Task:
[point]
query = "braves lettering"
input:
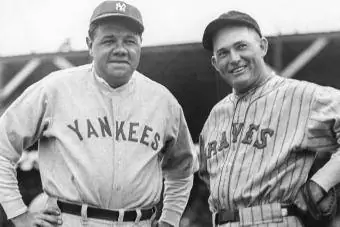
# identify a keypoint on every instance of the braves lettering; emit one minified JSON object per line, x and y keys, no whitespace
{"x":254,"y":135}
{"x":124,"y":131}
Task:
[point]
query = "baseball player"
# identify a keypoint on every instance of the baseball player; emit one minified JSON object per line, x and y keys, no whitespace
{"x":107,"y":136}
{"x":259,"y":142}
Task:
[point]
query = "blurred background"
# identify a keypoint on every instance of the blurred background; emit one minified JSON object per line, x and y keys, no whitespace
{"x":41,"y":36}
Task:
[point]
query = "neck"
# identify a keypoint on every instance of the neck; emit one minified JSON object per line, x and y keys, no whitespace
{"x":116,"y":84}
{"x":114,"y":81}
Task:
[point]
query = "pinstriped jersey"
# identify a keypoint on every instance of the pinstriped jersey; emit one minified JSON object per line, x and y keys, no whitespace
{"x":258,"y":147}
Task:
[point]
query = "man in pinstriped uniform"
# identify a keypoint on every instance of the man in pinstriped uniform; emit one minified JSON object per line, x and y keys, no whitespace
{"x":259,"y":142}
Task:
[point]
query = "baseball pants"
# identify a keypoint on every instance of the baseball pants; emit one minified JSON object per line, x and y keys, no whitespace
{"x":70,"y":220}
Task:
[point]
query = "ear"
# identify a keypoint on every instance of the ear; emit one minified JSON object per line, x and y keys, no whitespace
{"x":214,"y":62}
{"x":89,"y":45}
{"x":264,"y":46}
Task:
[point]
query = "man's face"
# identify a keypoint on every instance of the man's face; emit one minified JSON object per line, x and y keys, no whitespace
{"x":238,"y":57}
{"x":116,"y":52}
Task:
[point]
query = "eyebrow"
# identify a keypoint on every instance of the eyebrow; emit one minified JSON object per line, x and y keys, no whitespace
{"x":240,"y":42}
{"x":110,"y":36}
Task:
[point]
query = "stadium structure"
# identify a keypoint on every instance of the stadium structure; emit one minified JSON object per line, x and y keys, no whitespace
{"x":185,"y":69}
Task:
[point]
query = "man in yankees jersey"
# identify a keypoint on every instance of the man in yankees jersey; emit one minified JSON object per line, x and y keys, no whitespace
{"x":107,"y":136}
{"x":259,"y":142}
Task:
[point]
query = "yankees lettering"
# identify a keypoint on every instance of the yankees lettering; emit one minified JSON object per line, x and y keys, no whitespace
{"x":133,"y":132}
{"x":107,"y":136}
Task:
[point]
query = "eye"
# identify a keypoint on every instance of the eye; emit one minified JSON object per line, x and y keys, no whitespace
{"x":222,"y":53}
{"x":131,"y":41}
{"x":241,"y":46}
{"x":108,"y":41}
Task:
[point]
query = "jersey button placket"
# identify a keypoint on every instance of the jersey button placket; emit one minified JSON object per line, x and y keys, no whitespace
{"x":117,"y":154}
{"x":119,"y":165}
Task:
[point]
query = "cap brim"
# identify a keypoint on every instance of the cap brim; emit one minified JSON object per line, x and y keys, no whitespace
{"x":216,"y":25}
{"x":138,"y":25}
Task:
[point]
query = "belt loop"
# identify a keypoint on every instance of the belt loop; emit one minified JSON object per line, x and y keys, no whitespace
{"x":121,"y":215}
{"x":84,"y":214}
{"x":213,"y":217}
{"x":138,"y":216}
{"x":154,"y":210}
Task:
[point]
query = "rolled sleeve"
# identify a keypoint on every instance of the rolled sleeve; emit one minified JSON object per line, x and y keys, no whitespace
{"x":324,"y":134}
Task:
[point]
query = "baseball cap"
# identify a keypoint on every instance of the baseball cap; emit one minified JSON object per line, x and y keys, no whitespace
{"x":118,"y":9}
{"x":230,"y":18}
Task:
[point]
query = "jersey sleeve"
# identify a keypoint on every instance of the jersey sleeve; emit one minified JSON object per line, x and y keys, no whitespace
{"x":20,"y":127}
{"x":324,"y":134}
{"x":177,"y":166}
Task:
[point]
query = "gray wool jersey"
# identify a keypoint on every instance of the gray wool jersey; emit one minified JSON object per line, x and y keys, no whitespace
{"x":104,"y":147}
{"x":258,"y":148}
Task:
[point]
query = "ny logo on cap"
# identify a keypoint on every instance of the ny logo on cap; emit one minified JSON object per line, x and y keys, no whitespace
{"x":120,"y":6}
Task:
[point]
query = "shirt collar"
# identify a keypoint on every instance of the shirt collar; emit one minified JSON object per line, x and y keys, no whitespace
{"x":123,"y":89}
{"x":255,"y":91}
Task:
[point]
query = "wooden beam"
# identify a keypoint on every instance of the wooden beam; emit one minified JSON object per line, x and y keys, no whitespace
{"x":44,"y":56}
{"x":62,"y":63}
{"x":305,"y":37}
{"x":19,"y":78}
{"x":302,"y":59}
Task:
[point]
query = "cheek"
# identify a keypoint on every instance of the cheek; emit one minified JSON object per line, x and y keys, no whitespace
{"x":100,"y":51}
{"x":221,"y":65}
{"x":136,"y":52}
{"x":135,"y":56}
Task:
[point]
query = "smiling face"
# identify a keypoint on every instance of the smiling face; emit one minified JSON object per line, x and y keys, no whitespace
{"x":238,"y":57}
{"x":116,"y":52}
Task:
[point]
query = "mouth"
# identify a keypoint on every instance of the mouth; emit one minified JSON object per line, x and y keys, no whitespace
{"x":119,"y":62}
{"x":238,"y":70}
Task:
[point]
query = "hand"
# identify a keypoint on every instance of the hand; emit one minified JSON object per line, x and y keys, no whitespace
{"x":317,"y":193}
{"x":49,"y":217}
{"x":160,"y":224}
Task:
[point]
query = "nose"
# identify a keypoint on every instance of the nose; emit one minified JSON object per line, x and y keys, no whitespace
{"x":119,"y":49}
{"x":234,"y":56}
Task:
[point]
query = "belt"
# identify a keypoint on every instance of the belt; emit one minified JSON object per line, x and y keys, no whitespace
{"x":111,"y":215}
{"x":225,"y":216}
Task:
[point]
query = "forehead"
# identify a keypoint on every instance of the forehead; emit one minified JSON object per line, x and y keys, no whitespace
{"x":115,"y":29}
{"x":227,"y":36}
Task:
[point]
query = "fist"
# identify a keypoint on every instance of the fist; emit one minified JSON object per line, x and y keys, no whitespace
{"x":316,"y":193}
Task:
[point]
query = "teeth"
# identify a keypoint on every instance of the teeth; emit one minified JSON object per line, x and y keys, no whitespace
{"x":239,"y":69}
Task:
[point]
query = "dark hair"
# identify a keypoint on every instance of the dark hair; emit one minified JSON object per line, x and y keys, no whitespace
{"x":126,"y":21}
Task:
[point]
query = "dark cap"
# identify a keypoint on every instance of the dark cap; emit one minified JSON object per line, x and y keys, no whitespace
{"x":118,"y":9}
{"x":231,"y":18}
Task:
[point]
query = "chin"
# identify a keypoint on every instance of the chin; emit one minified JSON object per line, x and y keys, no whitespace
{"x":242,"y":79}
